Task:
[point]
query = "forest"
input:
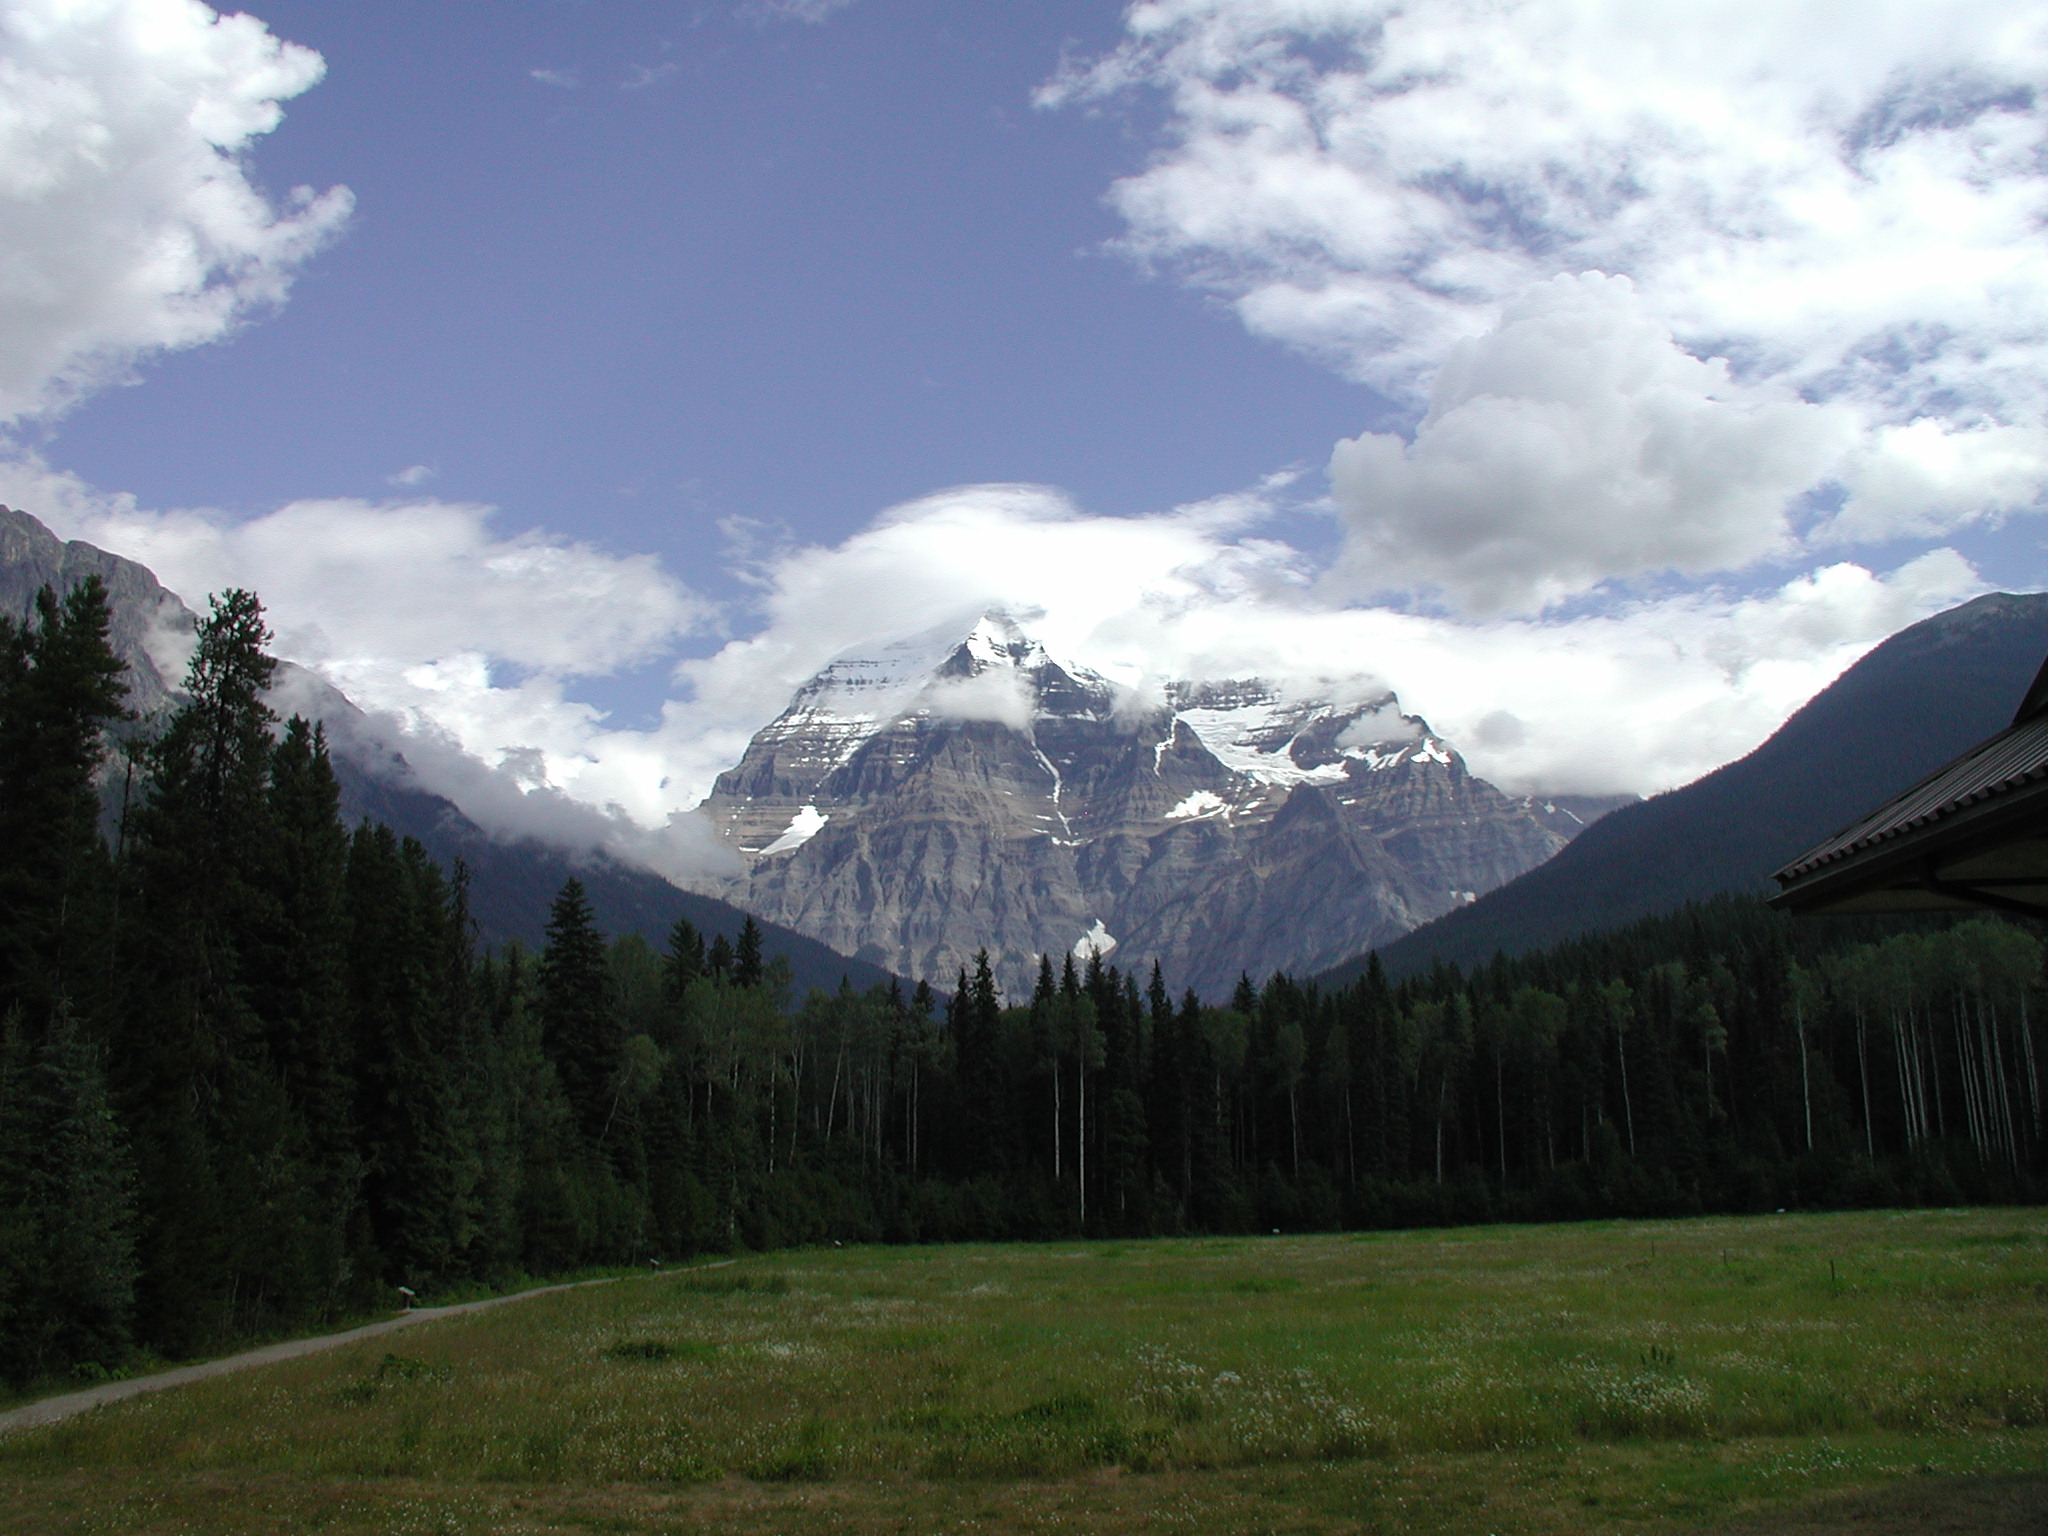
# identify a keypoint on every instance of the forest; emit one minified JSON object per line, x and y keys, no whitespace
{"x":256,"y":1073}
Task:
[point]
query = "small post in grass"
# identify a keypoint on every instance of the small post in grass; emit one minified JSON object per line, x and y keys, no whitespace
{"x":408,"y":1293}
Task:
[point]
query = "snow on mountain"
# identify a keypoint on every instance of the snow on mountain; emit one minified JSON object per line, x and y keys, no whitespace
{"x":966,"y":788}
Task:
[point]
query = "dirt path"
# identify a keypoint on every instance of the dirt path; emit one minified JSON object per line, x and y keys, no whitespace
{"x":49,"y":1410}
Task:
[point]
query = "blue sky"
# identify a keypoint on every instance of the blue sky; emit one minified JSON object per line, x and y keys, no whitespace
{"x":786,"y":272}
{"x":573,"y":380}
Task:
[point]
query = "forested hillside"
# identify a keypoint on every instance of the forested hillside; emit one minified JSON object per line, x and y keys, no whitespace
{"x":256,"y":1074}
{"x":1924,"y":696}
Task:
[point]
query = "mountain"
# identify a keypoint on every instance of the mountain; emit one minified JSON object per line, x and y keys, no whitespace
{"x":1909,"y":706}
{"x":512,"y":883}
{"x":966,"y":788}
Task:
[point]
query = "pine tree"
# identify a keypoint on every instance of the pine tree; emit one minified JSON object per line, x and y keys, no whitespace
{"x":746,"y":956}
{"x":61,"y":688}
{"x":684,"y":961}
{"x":296,"y":964}
{"x":213,"y":1136}
{"x":579,"y":1026}
{"x":419,"y":1178}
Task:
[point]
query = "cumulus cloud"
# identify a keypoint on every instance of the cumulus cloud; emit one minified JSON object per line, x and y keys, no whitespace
{"x":1572,"y":443}
{"x":1927,"y":477}
{"x":1815,"y":202}
{"x":127,"y":215}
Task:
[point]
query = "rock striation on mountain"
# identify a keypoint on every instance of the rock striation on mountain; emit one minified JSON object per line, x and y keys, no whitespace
{"x":966,"y":788}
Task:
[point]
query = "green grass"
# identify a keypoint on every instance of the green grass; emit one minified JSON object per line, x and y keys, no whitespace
{"x":1605,"y":1377}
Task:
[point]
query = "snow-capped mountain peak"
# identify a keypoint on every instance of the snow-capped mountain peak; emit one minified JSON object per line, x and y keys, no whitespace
{"x":968,"y":787}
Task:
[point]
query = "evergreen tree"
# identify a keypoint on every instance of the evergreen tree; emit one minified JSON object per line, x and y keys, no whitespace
{"x":214,"y":1142}
{"x":67,"y":1207}
{"x":417,"y":1179}
{"x":684,"y":961}
{"x":746,"y":956}
{"x":579,"y":1026}
{"x":61,"y":688}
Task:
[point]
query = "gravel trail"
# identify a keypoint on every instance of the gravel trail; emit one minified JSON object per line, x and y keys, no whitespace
{"x":49,"y":1410}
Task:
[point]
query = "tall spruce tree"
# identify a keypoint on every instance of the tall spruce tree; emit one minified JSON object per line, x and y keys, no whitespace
{"x":61,"y":688}
{"x":214,"y":1142}
{"x":579,"y":1026}
{"x":748,"y":968}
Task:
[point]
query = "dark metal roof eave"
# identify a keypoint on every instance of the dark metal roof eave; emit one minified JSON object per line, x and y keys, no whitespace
{"x":1903,"y":859}
{"x":1989,"y":770}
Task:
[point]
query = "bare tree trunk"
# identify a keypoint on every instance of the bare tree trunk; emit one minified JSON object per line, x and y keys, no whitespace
{"x":1805,"y":1082}
{"x":1058,"y":1124}
{"x":1443,"y":1084}
{"x":1863,"y":1072}
{"x":1500,"y":1120}
{"x":1081,"y":1121}
{"x":2033,"y":1072}
{"x":1628,"y":1106}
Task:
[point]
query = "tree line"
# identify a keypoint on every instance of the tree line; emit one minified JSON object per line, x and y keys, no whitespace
{"x":256,"y":1073}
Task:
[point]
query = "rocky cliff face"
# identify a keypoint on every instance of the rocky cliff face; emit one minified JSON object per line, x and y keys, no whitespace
{"x":956,"y":791}
{"x":150,"y":625}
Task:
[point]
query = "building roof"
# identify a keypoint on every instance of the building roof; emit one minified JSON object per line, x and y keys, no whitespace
{"x":1971,"y":834}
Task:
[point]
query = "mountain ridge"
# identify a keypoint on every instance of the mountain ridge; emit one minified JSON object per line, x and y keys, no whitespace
{"x":1910,"y":704}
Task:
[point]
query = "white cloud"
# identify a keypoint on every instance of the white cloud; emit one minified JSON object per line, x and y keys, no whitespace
{"x":995,"y":695}
{"x":474,"y":642}
{"x":128,"y":222}
{"x":1844,"y":200}
{"x":560,"y":79}
{"x":641,"y":76}
{"x":814,"y":12}
{"x":1379,"y":727}
{"x":1926,"y":477}
{"x":1572,"y":443}
{"x":412,"y":476}
{"x":422,"y":611}
{"x":1642,"y":697}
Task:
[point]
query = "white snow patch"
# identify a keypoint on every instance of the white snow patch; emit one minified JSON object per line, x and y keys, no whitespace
{"x":1236,"y":738}
{"x":803,"y":826}
{"x":1203,"y":802}
{"x":1097,"y":940}
{"x":1432,"y":751}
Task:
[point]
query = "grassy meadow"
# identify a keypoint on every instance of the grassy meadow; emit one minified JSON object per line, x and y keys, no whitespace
{"x":1654,"y":1376}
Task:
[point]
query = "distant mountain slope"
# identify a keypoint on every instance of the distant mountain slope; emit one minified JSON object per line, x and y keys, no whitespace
{"x":512,"y":884}
{"x":1913,"y":703}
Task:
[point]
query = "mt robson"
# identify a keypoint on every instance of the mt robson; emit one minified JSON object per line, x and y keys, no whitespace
{"x":967,"y":789}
